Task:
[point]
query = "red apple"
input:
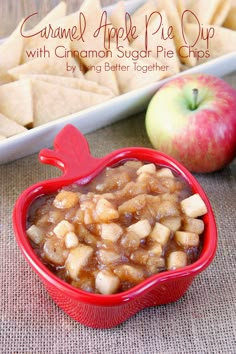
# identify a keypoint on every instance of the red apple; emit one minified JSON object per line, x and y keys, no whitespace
{"x":193,"y":119}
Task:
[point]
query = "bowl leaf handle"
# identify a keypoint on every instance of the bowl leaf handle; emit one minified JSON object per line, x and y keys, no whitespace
{"x":71,"y":154}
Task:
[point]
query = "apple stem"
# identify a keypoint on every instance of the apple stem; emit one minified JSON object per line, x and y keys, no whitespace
{"x":195,"y":97}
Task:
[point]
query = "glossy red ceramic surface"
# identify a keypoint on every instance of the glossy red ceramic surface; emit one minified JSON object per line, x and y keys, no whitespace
{"x":72,"y":156}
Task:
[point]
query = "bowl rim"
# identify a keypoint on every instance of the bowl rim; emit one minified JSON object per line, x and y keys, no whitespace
{"x":118,"y":156}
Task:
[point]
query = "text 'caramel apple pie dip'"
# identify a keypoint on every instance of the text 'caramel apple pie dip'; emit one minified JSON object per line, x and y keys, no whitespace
{"x":130,"y":222}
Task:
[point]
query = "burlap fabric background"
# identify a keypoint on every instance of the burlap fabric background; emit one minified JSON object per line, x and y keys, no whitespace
{"x":203,"y":321}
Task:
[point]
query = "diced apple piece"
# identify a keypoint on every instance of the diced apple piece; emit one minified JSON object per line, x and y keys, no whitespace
{"x":42,"y":220}
{"x":84,"y":283}
{"x":88,"y":216}
{"x":108,"y":257}
{"x":167,"y":208}
{"x":155,"y":250}
{"x":70,"y":214}
{"x":106,"y":282}
{"x":87,"y":212}
{"x":176,"y":259}
{"x":133,"y":164}
{"x":153,"y":203}
{"x":160,"y":233}
{"x":114,"y":179}
{"x":90,"y":239}
{"x":71,"y":240}
{"x":187,"y":239}
{"x":130,"y":190}
{"x":130,"y":240}
{"x":111,"y":231}
{"x":156,"y":186}
{"x":79,"y":216}
{"x":77,"y":259}
{"x":142,"y":228}
{"x":35,"y":234}
{"x":87,"y":203}
{"x":171,"y":197}
{"x":61,"y":229}
{"x":129,"y":273}
{"x":86,"y":236}
{"x":143,"y":178}
{"x":193,"y":225}
{"x":148,"y":168}
{"x":133,"y":204}
{"x":66,"y":200}
{"x":169,"y":183}
{"x":55,"y":216}
{"x":154,"y":263}
{"x":193,"y":206}
{"x":106,"y":210}
{"x":164,"y":172}
{"x":106,"y":196}
{"x":172,"y":222}
{"x":140,"y":256}
{"x":54,"y":251}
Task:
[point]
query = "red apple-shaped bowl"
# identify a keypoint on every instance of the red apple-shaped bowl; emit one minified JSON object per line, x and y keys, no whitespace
{"x":72,"y":156}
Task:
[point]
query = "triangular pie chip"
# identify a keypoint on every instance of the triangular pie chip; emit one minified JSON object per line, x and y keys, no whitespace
{"x":53,"y":101}
{"x":55,"y":14}
{"x":138,"y":17}
{"x":93,"y":42}
{"x":155,"y":40}
{"x":117,"y":17}
{"x":104,"y":77}
{"x":175,"y":21}
{"x":230,"y":21}
{"x":10,"y":54}
{"x":16,"y":102}
{"x":47,"y":66}
{"x":221,"y":13}
{"x":202,"y":9}
{"x":65,"y":22}
{"x":208,"y":12}
{"x":180,"y":7}
{"x":9,"y":128}
{"x":132,"y":78}
{"x":222,"y":42}
{"x":74,"y":83}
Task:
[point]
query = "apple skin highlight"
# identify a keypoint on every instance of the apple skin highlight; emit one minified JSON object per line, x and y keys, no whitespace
{"x":202,"y":138}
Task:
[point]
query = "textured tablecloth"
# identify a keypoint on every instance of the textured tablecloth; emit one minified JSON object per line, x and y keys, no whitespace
{"x":202,"y":321}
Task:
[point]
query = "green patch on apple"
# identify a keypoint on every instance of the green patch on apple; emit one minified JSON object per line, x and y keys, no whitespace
{"x":193,"y":119}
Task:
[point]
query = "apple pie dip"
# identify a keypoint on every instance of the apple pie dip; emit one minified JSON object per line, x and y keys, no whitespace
{"x":132,"y":221}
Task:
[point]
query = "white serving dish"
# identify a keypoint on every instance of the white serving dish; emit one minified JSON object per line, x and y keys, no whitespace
{"x":106,"y":113}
